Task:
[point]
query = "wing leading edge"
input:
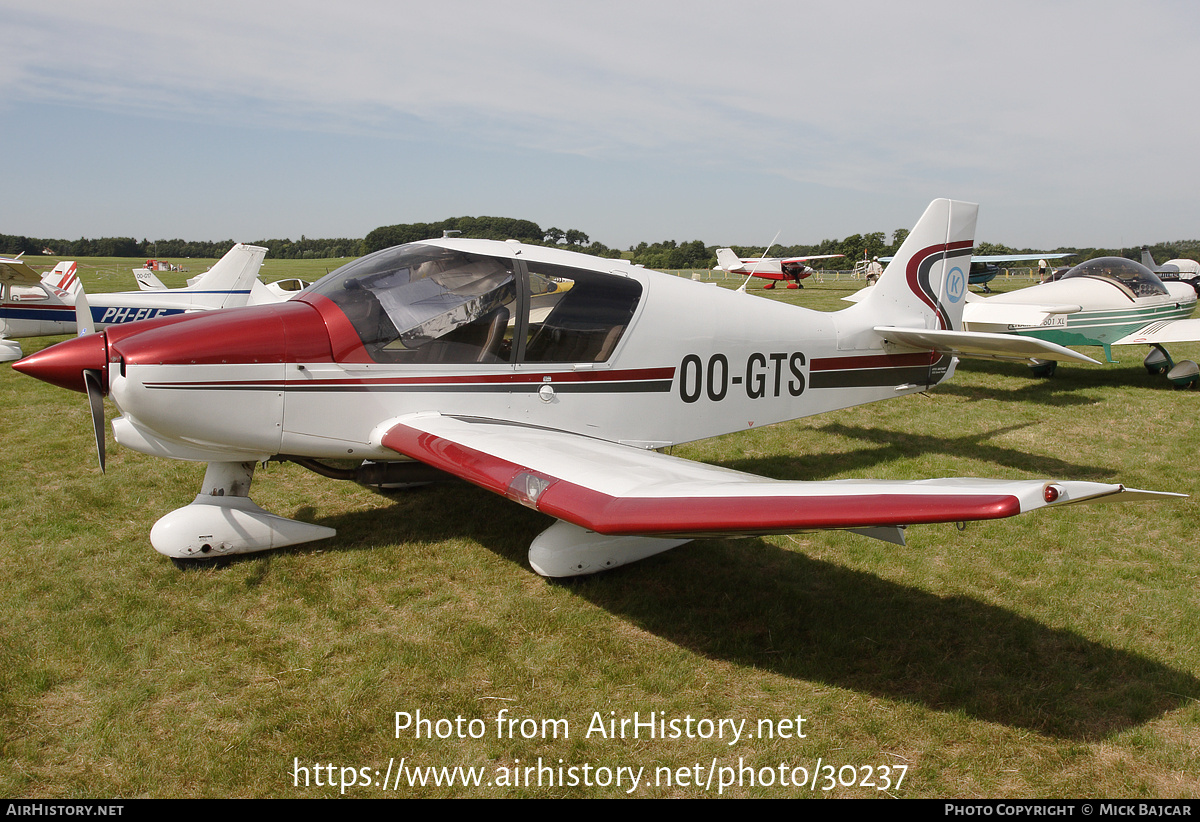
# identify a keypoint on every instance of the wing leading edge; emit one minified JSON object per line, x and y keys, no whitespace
{"x":620,"y":491}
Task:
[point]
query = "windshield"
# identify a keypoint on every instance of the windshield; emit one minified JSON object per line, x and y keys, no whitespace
{"x":1135,"y":277}
{"x":419,"y":303}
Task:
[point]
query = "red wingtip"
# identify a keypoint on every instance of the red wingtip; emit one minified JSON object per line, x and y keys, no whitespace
{"x":63,"y":364}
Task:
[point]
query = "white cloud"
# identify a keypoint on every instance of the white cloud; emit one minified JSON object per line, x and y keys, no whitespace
{"x":999,"y":100}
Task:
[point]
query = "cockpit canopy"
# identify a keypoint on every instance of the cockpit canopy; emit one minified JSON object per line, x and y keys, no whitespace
{"x":1131,"y":276}
{"x":423,"y":303}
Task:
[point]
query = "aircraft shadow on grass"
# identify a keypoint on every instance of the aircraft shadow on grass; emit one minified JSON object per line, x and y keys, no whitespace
{"x":752,"y":603}
{"x":893,"y":445}
{"x":1075,"y":386}
{"x":888,"y":446}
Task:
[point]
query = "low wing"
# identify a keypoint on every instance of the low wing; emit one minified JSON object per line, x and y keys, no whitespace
{"x":615,"y":489}
{"x":17,"y":272}
{"x":981,"y":345}
{"x":1164,"y":331}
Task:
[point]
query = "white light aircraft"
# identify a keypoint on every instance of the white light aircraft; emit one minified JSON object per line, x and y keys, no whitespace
{"x":36,"y":307}
{"x":1108,"y":301}
{"x":788,"y":269}
{"x":430,"y":355}
{"x":1186,"y":270}
{"x":260,"y":293}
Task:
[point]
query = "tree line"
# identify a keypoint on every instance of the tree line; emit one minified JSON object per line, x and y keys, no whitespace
{"x":304,"y":248}
{"x":665,"y":255}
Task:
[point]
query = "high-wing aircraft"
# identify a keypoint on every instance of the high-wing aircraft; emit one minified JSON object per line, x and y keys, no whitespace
{"x":1107,"y":301}
{"x":434,"y":354}
{"x":788,"y":269}
{"x":36,"y":307}
{"x":24,"y":295}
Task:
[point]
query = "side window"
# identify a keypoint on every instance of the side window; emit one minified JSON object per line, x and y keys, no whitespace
{"x":424,"y":304}
{"x":28,"y":293}
{"x":577,"y":315}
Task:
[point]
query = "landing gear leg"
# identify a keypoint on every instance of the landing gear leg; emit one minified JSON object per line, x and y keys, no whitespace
{"x":1158,"y":361}
{"x":1044,"y":368}
{"x":222,"y":520}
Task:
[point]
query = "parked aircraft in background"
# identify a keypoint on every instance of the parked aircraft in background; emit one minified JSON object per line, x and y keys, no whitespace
{"x":33,"y":307}
{"x":260,"y":293}
{"x":1186,"y":270}
{"x":431,"y":355}
{"x":787,"y":269}
{"x":22,"y":292}
{"x":984,"y":268}
{"x":1107,"y":301}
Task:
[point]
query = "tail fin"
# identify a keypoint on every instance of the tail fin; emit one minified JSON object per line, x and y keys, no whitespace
{"x":918,"y":302}
{"x":227,"y":284}
{"x":147,"y":280}
{"x":925,"y":284}
{"x":64,"y":279}
{"x":1148,"y":259}
{"x":727,"y":260}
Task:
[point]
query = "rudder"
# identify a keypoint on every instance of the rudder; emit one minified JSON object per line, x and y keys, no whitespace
{"x":925,"y":284}
{"x":227,"y":284}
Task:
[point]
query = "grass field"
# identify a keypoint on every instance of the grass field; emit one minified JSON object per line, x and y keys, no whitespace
{"x":1051,"y":655}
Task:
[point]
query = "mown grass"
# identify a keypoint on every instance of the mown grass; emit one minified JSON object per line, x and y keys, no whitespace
{"x":1050,"y":655}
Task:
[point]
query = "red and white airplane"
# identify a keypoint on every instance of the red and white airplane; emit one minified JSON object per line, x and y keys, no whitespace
{"x":788,"y":269}
{"x":434,"y":354}
{"x":32,"y":306}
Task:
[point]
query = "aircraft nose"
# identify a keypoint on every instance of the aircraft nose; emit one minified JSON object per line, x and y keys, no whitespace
{"x":63,"y":364}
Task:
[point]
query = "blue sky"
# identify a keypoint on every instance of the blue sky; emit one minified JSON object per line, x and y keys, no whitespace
{"x":1071,"y":123}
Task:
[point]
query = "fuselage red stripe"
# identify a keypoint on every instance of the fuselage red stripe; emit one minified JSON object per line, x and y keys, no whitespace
{"x":875,"y":361}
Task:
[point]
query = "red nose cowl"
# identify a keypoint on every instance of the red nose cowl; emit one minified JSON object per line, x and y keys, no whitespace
{"x":63,"y":364}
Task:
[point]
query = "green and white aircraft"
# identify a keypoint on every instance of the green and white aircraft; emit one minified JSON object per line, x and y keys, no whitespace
{"x":1107,"y":301}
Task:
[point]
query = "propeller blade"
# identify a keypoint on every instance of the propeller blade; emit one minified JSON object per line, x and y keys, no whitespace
{"x":91,"y":379}
{"x":84,"y":324}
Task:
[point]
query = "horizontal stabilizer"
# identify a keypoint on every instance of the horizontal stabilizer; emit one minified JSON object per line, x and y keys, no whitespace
{"x":977,"y":344}
{"x":984,"y":312}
